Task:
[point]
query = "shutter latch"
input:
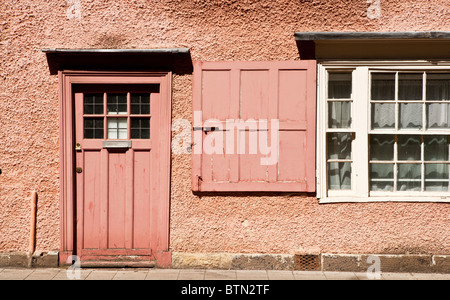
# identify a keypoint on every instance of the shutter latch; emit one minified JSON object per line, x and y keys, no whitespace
{"x":206,"y":129}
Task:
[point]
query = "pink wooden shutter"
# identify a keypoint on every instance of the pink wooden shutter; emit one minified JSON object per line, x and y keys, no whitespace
{"x":228,"y":91}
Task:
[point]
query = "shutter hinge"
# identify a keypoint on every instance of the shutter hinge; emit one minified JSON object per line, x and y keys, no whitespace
{"x":199,"y":182}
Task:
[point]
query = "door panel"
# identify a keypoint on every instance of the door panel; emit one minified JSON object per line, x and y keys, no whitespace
{"x":92,"y":200}
{"x":117,"y":201}
{"x":142,"y":167}
{"x":114,"y":185}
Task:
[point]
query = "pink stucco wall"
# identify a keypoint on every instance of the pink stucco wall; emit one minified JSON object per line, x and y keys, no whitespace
{"x":213,"y":30}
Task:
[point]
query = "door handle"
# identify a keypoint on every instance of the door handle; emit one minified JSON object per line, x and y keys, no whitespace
{"x":78,"y":170}
{"x":77,"y":147}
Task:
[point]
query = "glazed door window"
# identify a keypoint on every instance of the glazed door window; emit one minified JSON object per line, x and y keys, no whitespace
{"x":117,"y":116}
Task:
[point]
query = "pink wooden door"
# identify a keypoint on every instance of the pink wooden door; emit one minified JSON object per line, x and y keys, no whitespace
{"x":116,"y":189}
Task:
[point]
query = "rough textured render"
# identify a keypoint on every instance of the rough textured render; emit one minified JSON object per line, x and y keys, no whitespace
{"x":214,"y":31}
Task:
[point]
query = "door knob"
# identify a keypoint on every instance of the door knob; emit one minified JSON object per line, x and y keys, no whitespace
{"x":78,"y":169}
{"x":77,"y":147}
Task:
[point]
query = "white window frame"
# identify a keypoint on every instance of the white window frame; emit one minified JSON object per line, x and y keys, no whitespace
{"x":361,"y":128}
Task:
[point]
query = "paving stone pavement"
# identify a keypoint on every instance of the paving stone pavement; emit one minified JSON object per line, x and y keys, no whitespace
{"x":197,"y":274}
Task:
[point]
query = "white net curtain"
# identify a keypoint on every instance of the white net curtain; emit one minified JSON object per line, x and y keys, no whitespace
{"x":405,"y":153}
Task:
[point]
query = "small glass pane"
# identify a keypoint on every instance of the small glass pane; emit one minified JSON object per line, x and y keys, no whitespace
{"x":410,"y":116}
{"x":140,"y":104}
{"x":436,"y":177}
{"x":408,"y":147}
{"x":383,"y":116}
{"x":340,"y":85}
{"x":93,"y":104}
{"x":436,"y":148}
{"x":383,"y":86}
{"x":436,"y":186}
{"x":381,"y":147}
{"x":339,"y":176}
{"x":438,"y":115}
{"x":117,"y":104}
{"x":438,"y":86}
{"x":410,"y":86}
{"x":93,"y":128}
{"x":140,"y":128}
{"x":339,"y":114}
{"x":409,"y":177}
{"x":382,"y":177}
{"x":339,"y":145}
{"x":117,"y":128}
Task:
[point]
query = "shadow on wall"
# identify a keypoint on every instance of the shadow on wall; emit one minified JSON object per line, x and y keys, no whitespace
{"x":253,"y":194}
{"x":177,"y":60}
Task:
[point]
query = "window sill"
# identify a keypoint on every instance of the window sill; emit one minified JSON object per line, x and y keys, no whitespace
{"x":422,"y":199}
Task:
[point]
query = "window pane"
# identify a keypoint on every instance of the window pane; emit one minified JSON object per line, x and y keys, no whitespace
{"x":408,"y":147}
{"x":436,"y":177}
{"x":436,"y":148}
{"x":410,"y":86}
{"x":112,"y":134}
{"x":382,"y":177}
{"x":339,"y":145}
{"x":93,"y":128}
{"x":438,"y":86}
{"x":383,"y":116}
{"x":383,"y":86}
{"x":339,"y":114}
{"x":438,"y":115}
{"x":339,"y":176}
{"x":409,"y":177}
{"x":117,"y":128}
{"x":140,"y":128}
{"x":340,"y":85}
{"x":436,"y":186}
{"x":140,"y":104}
{"x":410,"y":116}
{"x":93,"y":104}
{"x":381,"y":147}
{"x":117,"y":104}
{"x":436,"y":171}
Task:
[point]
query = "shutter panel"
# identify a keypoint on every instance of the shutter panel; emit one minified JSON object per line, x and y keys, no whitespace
{"x":239,"y":108}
